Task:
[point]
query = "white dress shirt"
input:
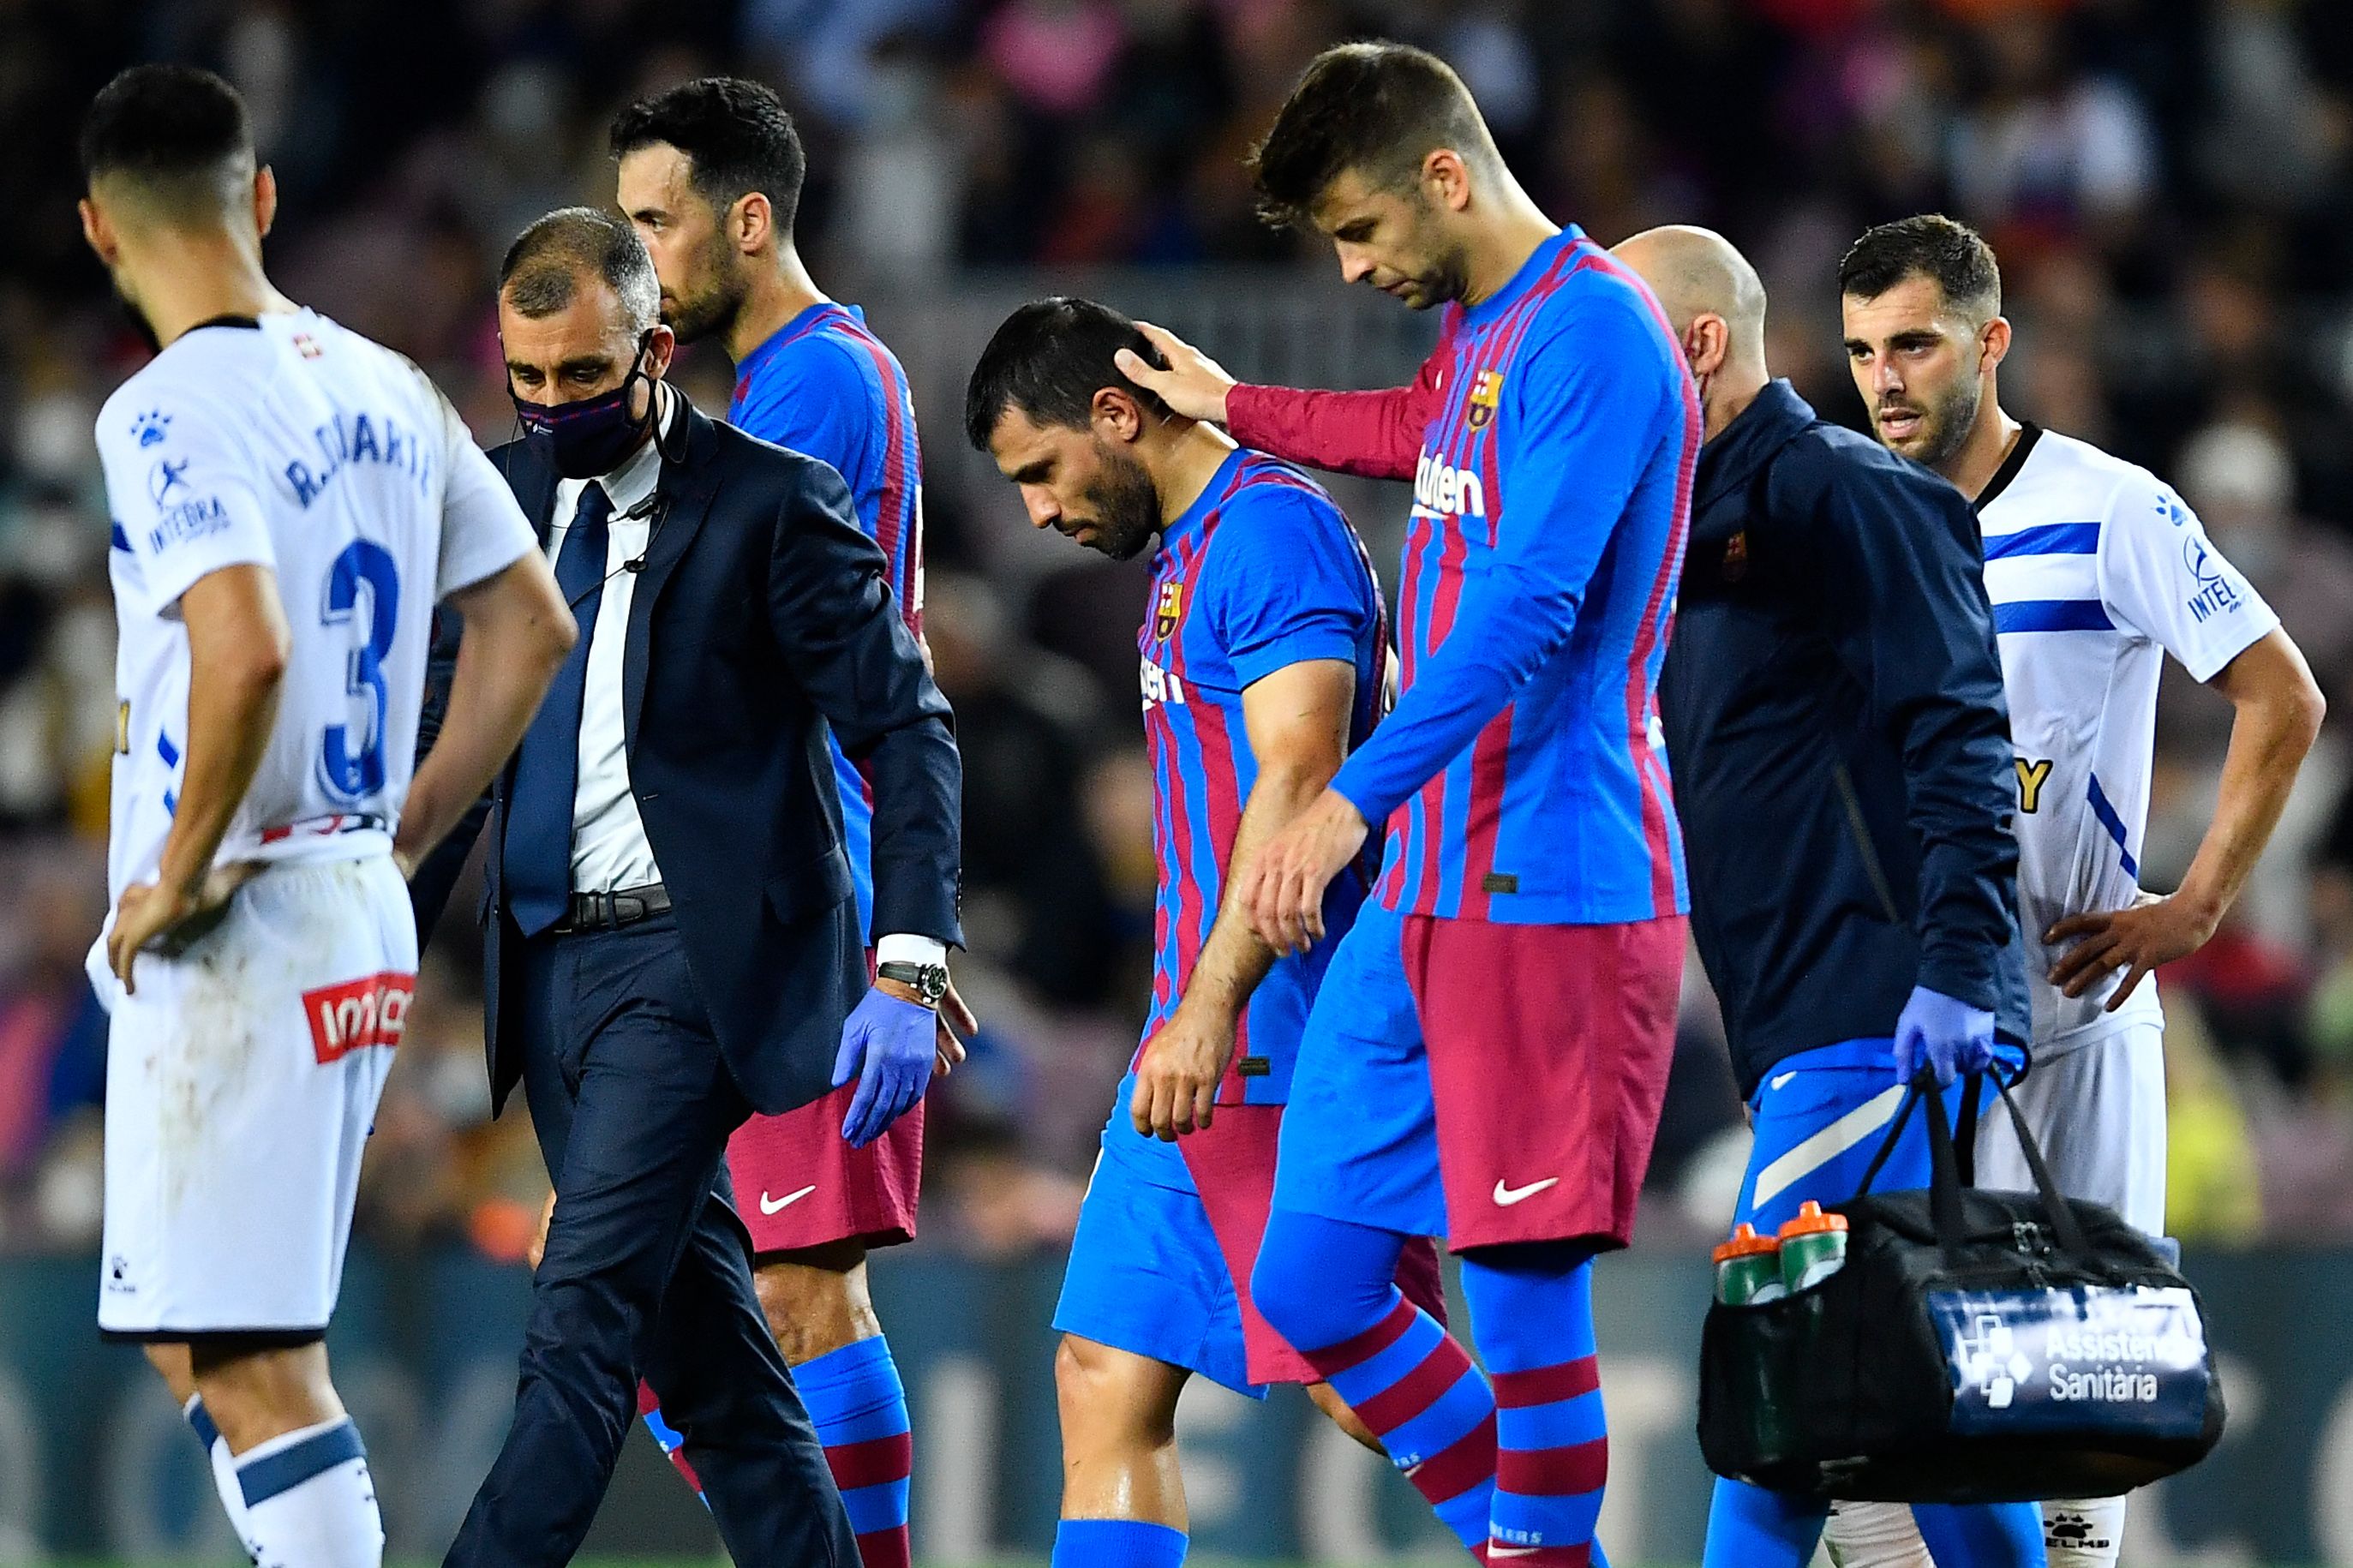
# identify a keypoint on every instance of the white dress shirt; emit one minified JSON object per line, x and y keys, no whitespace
{"x":610,"y":847}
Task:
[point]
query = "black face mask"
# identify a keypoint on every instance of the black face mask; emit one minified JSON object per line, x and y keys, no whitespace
{"x":583,"y":440}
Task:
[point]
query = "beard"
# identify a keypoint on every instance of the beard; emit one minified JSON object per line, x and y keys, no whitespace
{"x":1945,"y":424}
{"x":713,"y":309}
{"x":1125,"y":504}
{"x":1445,"y":281}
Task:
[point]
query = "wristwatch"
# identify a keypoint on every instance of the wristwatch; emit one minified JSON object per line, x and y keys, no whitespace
{"x":928,"y":981}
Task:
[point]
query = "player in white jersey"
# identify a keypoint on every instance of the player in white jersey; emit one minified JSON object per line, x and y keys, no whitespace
{"x":288,"y":499}
{"x":2097,"y":571}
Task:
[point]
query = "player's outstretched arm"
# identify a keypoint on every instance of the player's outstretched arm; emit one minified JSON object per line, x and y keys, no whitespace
{"x":517,"y":633}
{"x":1298,"y":720}
{"x":2279,"y":711}
{"x":237,"y":646}
{"x":1375,"y":434}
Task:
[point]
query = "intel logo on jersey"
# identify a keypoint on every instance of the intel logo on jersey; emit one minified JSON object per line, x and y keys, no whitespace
{"x":1442,"y":490}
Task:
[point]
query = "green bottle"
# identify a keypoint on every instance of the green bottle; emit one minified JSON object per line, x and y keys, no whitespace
{"x":1813,"y":1248}
{"x":1748,"y":1269}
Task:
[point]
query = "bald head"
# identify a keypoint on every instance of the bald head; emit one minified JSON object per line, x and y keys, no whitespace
{"x":1697,"y":272}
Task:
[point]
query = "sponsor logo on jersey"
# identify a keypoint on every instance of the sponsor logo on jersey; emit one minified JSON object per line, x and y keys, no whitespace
{"x":307,"y":346}
{"x":148,"y":427}
{"x":166,"y":477}
{"x":1486,"y":396}
{"x":357,"y":1014}
{"x":1161,"y":684}
{"x":189,"y":520}
{"x":1168,"y":610}
{"x":1442,"y":490}
{"x":2215,"y":596}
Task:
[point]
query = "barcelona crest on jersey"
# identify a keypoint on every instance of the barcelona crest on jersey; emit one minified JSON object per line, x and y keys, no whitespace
{"x":1168,"y":609}
{"x":1486,"y":393}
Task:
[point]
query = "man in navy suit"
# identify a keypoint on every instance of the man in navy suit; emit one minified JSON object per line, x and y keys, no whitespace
{"x":670,"y":940}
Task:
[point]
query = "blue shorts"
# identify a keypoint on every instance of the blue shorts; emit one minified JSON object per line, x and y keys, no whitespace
{"x":1147,"y":1273}
{"x":1820,"y":1116}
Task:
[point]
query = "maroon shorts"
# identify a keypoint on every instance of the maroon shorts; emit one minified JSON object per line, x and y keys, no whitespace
{"x":798,"y":1183}
{"x":1491,"y":1083}
{"x":1232,"y":1166}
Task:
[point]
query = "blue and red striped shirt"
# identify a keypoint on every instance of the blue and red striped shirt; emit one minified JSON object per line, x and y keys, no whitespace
{"x":823,"y":385}
{"x":1523,"y":776}
{"x":1261,"y":571}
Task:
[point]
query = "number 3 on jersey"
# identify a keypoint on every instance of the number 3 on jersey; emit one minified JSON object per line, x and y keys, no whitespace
{"x":351,"y":774}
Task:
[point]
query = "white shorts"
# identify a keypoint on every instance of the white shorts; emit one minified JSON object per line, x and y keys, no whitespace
{"x":241,"y":1081}
{"x":2098,"y":1111}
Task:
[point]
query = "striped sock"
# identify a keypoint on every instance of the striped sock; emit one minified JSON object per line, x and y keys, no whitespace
{"x":672,"y":1440}
{"x":859,"y":1409}
{"x":1117,"y":1543}
{"x":1417,"y":1391}
{"x":224,"y":1469}
{"x":1551,"y":1442}
{"x":310,"y":1501}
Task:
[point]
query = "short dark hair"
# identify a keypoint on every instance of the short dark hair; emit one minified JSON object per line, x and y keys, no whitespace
{"x":181,"y":133}
{"x":1048,"y":360}
{"x":544,"y":265}
{"x":737,"y":136}
{"x":1945,"y":251}
{"x":1378,"y":108}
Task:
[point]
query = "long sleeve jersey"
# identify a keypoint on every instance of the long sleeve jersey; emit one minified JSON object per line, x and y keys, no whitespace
{"x":1550,"y":440}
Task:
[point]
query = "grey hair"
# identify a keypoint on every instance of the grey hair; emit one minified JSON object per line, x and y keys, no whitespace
{"x":544,"y":265}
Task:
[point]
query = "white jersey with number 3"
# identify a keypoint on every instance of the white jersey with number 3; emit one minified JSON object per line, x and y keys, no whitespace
{"x":292,"y":444}
{"x":2096,"y":571}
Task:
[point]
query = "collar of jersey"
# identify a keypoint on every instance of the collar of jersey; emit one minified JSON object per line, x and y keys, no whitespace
{"x":1213,"y":495}
{"x":1534,"y":267}
{"x":801,"y":323}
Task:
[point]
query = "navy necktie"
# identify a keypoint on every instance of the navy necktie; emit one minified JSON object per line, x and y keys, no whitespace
{"x":536,"y":867}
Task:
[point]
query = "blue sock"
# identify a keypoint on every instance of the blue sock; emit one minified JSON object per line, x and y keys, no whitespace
{"x":1532,"y":1307}
{"x":1117,"y":1543}
{"x":1988,"y":1535}
{"x":860,"y":1409}
{"x":1330,"y":1288}
{"x":1748,"y":1527}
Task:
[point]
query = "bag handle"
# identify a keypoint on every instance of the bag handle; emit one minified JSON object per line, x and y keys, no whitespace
{"x":2054,"y":1204}
{"x":1952,"y":1163}
{"x":1887,"y":1144}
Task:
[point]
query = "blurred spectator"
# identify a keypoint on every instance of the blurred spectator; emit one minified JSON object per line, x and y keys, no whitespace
{"x":52,"y":1047}
{"x":2170,"y":188}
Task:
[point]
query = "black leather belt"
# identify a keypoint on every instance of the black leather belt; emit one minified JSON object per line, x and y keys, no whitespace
{"x":611,"y":911}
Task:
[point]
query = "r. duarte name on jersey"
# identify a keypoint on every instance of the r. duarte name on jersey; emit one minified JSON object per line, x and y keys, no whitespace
{"x":1442,"y":490}
{"x":361,"y":439}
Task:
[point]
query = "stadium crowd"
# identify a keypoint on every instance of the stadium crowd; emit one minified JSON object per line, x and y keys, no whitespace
{"x":2169,"y":184}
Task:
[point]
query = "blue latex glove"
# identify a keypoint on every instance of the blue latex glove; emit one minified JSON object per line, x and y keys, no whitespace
{"x":888,"y":1045}
{"x":1944,"y":1035}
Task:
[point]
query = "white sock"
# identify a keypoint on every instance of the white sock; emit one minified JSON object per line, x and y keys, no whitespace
{"x":2084,"y":1534}
{"x":310,"y":1501}
{"x":1874,"y":1535}
{"x":232,"y":1496}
